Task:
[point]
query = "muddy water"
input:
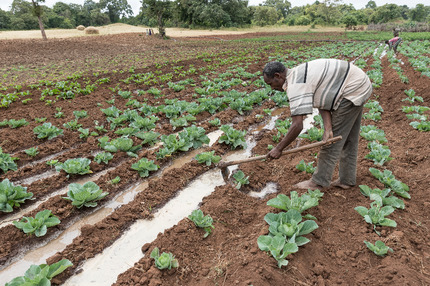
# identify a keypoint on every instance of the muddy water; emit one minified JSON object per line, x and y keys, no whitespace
{"x":104,"y":268}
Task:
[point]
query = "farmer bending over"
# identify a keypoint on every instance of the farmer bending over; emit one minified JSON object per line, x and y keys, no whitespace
{"x":393,"y":43}
{"x":339,"y":90}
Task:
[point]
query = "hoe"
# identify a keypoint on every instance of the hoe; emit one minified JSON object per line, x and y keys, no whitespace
{"x":225,"y":172}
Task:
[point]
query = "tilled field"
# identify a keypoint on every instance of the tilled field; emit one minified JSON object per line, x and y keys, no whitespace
{"x":143,"y":79}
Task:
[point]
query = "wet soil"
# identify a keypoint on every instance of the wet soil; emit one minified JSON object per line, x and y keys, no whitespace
{"x":336,"y":254}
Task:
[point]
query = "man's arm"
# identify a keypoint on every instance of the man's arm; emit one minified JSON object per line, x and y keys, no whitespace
{"x":326,"y":117}
{"x":294,"y":131}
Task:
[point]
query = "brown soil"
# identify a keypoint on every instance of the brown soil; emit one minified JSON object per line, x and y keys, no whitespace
{"x":230,"y":255}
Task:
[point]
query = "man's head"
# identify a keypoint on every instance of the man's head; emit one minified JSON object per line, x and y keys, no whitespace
{"x":274,"y":74}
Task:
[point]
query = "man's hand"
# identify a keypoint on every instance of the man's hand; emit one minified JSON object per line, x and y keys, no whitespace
{"x":274,"y":154}
{"x":327,"y":135}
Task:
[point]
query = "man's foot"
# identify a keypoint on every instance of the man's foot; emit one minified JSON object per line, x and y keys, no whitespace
{"x":307,"y":185}
{"x":338,"y":184}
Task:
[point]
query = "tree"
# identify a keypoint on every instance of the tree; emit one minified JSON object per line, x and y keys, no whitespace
{"x":419,"y":13}
{"x":160,"y":10}
{"x":116,"y":9}
{"x":349,"y":21}
{"x":5,"y":20}
{"x":281,"y":6}
{"x":385,"y":13}
{"x":371,"y":5}
{"x":37,"y":11}
{"x":264,"y":15}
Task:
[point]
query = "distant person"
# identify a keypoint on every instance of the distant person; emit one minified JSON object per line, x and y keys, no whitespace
{"x":396,"y":32}
{"x":393,"y":43}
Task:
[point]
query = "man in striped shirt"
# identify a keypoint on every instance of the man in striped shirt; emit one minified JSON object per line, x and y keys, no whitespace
{"x":339,"y":90}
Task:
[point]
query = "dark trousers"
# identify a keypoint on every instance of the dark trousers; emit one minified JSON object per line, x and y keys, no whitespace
{"x":345,"y":122}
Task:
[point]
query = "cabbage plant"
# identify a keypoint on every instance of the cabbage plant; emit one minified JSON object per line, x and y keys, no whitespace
{"x":85,"y":195}
{"x":208,"y":158}
{"x":232,"y":137}
{"x":47,"y":130}
{"x":40,"y":274}
{"x":12,"y":196}
{"x":7,"y":162}
{"x":39,"y":224}
{"x":143,"y":166}
{"x":200,"y":220}
{"x":379,"y":248}
{"x":79,"y":166}
{"x":165,"y":260}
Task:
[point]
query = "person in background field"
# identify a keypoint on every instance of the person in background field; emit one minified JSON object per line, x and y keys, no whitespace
{"x":393,"y":43}
{"x":339,"y":90}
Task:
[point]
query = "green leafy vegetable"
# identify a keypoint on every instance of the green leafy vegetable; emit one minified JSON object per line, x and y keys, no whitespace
{"x":165,"y":260}
{"x":388,"y":179}
{"x":379,"y":248}
{"x":31,"y":151}
{"x":202,"y":221}
{"x":379,"y":153}
{"x":278,"y":247}
{"x":85,"y":195}
{"x":40,"y":275}
{"x":104,"y":157}
{"x":79,"y":166}
{"x":306,"y":167}
{"x":377,"y":213}
{"x":208,"y":158}
{"x":384,"y":194}
{"x":143,"y":166}
{"x":300,"y":204}
{"x":232,"y":137}
{"x":289,"y":224}
{"x":37,"y":225}
{"x":12,"y":196}
{"x":47,"y":130}
{"x":7,"y":162}
{"x":241,"y":179}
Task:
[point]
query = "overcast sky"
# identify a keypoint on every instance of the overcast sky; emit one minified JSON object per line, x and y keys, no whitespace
{"x":135,"y":4}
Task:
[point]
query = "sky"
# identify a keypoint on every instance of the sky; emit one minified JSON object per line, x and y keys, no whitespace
{"x":135,"y":4}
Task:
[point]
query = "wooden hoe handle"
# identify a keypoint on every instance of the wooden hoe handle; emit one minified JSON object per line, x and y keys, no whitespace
{"x":294,"y":150}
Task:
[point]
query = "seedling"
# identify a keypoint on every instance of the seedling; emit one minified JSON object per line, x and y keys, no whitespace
{"x":302,"y":203}
{"x":31,"y":151}
{"x":376,"y":215}
{"x":379,"y":248}
{"x":47,"y":130}
{"x":241,"y":179}
{"x":12,"y":196}
{"x":202,"y":221}
{"x":306,"y":167}
{"x":115,"y":180}
{"x":388,"y":179}
{"x":85,"y":195}
{"x":79,"y":166}
{"x":7,"y":162}
{"x":104,"y":157}
{"x":232,"y":137}
{"x":379,"y":153}
{"x":165,"y":260}
{"x":384,"y":194}
{"x":39,"y":224}
{"x":278,"y":247}
{"x":41,"y":274}
{"x":208,"y":158}
{"x":143,"y":166}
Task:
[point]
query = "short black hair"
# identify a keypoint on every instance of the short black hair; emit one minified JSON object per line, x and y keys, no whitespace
{"x":273,"y":67}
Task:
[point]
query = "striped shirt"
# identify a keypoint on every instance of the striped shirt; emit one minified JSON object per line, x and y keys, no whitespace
{"x":323,"y":83}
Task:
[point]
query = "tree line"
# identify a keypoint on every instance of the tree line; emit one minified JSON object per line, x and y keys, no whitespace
{"x":28,"y":14}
